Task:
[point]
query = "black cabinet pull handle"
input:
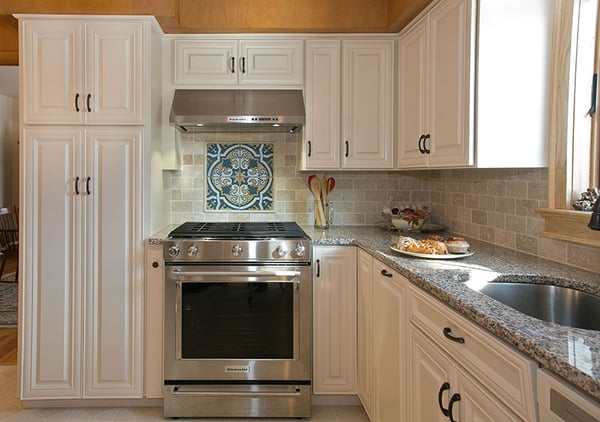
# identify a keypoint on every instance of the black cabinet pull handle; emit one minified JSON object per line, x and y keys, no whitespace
{"x":347,"y":148}
{"x":421,"y":150}
{"x":233,"y":65}
{"x":243,"y":65}
{"x":592,"y":109}
{"x":89,"y":97}
{"x":309,"y":148}
{"x":455,"y":397}
{"x":386,"y":274}
{"x":427,"y":150}
{"x":77,"y":185}
{"x":445,"y":386}
{"x":447,"y":331}
{"x":87,"y":185}
{"x":318,"y":268}
{"x":155,"y":264}
{"x":77,"y":102}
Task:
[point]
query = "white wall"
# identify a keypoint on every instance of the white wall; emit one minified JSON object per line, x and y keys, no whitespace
{"x":9,"y":135}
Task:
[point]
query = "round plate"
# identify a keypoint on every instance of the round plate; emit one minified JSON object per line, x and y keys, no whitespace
{"x":431,"y":256}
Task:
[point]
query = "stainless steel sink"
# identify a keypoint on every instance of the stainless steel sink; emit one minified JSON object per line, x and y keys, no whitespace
{"x":561,"y":305}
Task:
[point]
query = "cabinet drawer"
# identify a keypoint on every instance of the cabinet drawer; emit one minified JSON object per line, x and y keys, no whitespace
{"x":505,"y":372}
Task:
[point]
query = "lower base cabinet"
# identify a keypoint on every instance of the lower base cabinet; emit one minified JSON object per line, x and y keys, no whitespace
{"x":334,"y":320}
{"x":440,"y":391}
{"x":390,"y":320}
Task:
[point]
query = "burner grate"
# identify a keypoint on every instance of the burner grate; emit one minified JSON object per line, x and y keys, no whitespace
{"x":237,"y":230}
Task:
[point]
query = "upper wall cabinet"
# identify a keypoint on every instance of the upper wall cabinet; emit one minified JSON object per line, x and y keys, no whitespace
{"x":233,"y":62}
{"x":82,"y":72}
{"x":434,"y":102}
{"x":349,"y":104}
{"x":471,"y":92}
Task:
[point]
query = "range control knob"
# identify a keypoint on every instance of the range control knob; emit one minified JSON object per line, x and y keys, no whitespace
{"x":300,"y":249}
{"x":281,"y":251}
{"x":173,"y":251}
{"x":237,"y":249}
{"x":192,"y":250}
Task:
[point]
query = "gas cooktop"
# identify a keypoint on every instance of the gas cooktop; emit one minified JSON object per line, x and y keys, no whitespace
{"x":238,"y":231}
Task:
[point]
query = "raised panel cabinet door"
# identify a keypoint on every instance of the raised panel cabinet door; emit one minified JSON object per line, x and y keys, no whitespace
{"x":367,"y":104}
{"x":451,"y":82}
{"x":390,"y":329}
{"x":413,"y":95}
{"x":114,"y":72}
{"x":114,"y":259}
{"x":271,"y":61}
{"x":365,"y":331}
{"x":52,"y":69}
{"x":432,"y":379}
{"x":476,"y":404}
{"x":51,"y":274}
{"x":334,"y":316}
{"x":322,"y":98}
{"x":206,"y":62}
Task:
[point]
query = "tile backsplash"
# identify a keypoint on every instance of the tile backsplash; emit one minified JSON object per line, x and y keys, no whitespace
{"x":493,"y":205}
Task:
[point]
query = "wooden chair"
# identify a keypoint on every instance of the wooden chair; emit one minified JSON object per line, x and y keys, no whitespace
{"x":9,"y":238}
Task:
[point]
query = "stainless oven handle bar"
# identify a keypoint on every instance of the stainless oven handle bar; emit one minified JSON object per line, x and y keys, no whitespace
{"x":296,"y":282}
{"x":238,"y":273}
{"x":235,"y":393}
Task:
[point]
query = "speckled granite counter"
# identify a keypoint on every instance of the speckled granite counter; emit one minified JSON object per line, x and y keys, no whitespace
{"x":573,"y":354}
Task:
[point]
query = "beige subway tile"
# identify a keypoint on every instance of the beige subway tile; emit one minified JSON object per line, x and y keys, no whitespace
{"x":479,"y":217}
{"x":487,"y":234}
{"x":458,"y":199}
{"x":526,"y":207}
{"x":175,"y":194}
{"x":585,"y":257}
{"x":506,"y":238}
{"x":497,"y":188}
{"x":553,"y":249}
{"x":516,"y":189}
{"x":537,"y":190}
{"x":487,"y":203}
{"x":181,"y":206}
{"x":528,"y":244}
{"x":496,"y":220}
{"x":506,"y":205}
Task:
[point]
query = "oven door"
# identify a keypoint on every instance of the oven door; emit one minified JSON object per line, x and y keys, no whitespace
{"x":237,"y":323}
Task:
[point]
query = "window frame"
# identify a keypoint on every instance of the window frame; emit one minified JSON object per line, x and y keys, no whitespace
{"x":561,"y":222}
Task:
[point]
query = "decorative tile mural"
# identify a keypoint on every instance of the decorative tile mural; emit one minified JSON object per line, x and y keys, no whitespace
{"x":239,"y":177}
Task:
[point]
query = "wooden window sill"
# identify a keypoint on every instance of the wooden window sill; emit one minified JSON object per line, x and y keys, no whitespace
{"x":569,"y":225}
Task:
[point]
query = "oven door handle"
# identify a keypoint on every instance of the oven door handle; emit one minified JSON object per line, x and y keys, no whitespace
{"x":177,"y":392}
{"x":238,"y":273}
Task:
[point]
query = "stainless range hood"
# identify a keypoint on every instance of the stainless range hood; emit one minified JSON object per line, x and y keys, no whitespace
{"x":237,"y":110}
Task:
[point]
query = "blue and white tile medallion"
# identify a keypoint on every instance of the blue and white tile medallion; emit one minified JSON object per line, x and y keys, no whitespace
{"x":239,"y":177}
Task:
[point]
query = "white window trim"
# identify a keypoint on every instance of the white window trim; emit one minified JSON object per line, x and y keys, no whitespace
{"x":560,"y":222}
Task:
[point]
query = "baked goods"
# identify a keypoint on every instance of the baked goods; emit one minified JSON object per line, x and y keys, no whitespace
{"x":433,"y":245}
{"x":457,"y":245}
{"x":426,"y":246}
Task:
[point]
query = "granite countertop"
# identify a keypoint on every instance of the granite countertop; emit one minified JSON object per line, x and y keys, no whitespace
{"x":571,"y":353}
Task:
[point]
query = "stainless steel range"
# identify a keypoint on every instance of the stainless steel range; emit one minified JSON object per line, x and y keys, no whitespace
{"x":238,"y":320}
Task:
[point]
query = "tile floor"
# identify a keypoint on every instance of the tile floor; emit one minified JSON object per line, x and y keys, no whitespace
{"x":10,"y":410}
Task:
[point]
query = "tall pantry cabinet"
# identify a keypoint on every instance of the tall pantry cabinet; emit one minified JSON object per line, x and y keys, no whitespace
{"x":86,"y":142}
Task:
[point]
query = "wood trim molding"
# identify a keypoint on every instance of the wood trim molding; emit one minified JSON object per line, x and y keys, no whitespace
{"x":569,"y":225}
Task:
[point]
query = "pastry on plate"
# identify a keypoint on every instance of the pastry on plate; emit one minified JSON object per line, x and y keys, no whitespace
{"x":404,"y":242}
{"x":429,"y":247}
{"x":457,"y":245}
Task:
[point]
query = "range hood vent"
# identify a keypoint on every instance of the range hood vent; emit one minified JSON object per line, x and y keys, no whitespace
{"x":237,"y":110}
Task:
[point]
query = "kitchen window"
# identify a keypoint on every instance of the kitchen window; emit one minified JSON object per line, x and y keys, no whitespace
{"x":574,"y":128}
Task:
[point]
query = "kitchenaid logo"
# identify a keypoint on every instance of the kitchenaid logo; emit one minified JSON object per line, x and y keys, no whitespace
{"x":236,"y":369}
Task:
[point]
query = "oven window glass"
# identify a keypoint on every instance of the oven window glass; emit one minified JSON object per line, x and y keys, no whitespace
{"x":237,"y":321}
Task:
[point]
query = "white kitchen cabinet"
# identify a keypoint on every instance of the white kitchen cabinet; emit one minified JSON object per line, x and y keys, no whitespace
{"x":465,"y":97}
{"x":390,"y":329}
{"x":82,"y":293}
{"x":153,"y":319}
{"x":349,"y":104}
{"x":82,"y":71}
{"x":365,"y":331}
{"x":238,"y":62}
{"x":504,"y":376}
{"x":435,"y":65}
{"x":441,"y":391}
{"x":334,"y":320}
